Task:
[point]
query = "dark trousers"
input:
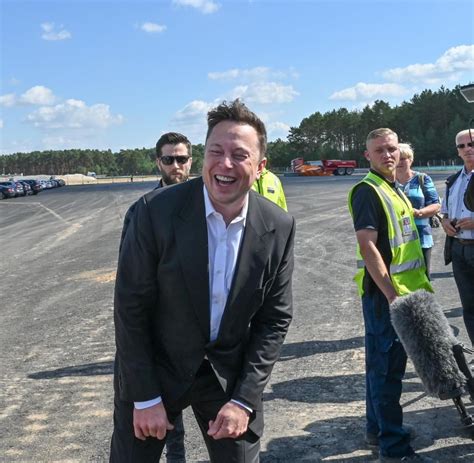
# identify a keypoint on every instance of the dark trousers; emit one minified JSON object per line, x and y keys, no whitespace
{"x":427,"y":256}
{"x":175,"y":451}
{"x":206,"y":398}
{"x":463,"y":270}
{"x":385,"y":362}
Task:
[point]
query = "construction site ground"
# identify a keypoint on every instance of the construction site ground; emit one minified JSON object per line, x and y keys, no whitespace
{"x":59,"y":256}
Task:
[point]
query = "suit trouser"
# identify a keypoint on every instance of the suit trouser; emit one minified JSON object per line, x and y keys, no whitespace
{"x":463,"y":270}
{"x":206,"y":398}
{"x":175,"y":451}
{"x":385,"y":363}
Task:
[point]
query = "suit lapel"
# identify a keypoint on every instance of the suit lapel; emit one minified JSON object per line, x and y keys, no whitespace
{"x":253,"y":256}
{"x":191,"y":242}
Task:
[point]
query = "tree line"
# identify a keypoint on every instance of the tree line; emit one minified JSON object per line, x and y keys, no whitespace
{"x":429,"y":122}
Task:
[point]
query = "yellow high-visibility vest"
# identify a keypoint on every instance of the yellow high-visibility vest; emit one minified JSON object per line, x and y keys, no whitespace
{"x":407,"y":268}
{"x":269,"y":185}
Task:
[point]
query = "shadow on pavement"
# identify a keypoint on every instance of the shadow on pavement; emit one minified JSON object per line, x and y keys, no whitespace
{"x":439,"y":275}
{"x":330,"y":389}
{"x":307,"y":348}
{"x":88,"y":369}
{"x":343,"y":436}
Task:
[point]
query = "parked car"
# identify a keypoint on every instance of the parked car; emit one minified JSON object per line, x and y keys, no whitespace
{"x":35,"y":185}
{"x":47,"y":184}
{"x":20,"y":189}
{"x":7,"y":190}
{"x":26,"y":187}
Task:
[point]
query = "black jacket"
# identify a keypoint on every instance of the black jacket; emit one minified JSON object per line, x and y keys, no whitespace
{"x":162,"y":307}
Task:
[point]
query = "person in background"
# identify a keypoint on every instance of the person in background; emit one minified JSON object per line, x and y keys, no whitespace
{"x":391,"y":264}
{"x":269,"y":185}
{"x":420,"y":190}
{"x":174,"y":160}
{"x":458,"y":223}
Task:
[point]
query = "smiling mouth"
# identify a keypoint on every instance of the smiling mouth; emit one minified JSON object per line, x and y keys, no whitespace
{"x":224,"y":180}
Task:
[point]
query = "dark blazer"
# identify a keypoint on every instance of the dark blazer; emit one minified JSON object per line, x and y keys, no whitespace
{"x":162,"y":308}
{"x":129,"y":215}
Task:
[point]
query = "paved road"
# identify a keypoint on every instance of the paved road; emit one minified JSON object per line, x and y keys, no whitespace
{"x":56,"y":334}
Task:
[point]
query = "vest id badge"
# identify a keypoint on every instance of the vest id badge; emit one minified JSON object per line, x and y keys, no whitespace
{"x":406,"y":226}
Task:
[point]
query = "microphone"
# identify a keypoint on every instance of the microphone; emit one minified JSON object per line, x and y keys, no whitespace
{"x":428,"y":340}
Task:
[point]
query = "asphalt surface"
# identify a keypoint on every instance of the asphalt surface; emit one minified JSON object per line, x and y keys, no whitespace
{"x":58,"y":259}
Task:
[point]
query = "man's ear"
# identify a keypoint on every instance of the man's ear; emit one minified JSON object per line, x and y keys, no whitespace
{"x":261,"y":166}
{"x":366,"y":155}
{"x":157,"y":162}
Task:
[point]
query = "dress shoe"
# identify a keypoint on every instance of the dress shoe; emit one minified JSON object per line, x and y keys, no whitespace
{"x":372,"y":440}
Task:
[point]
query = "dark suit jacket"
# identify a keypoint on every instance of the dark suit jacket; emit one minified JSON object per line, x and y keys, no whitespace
{"x":162,"y":308}
{"x":129,"y":215}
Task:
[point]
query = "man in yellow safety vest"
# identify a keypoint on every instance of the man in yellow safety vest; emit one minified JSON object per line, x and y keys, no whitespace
{"x":390,"y":264}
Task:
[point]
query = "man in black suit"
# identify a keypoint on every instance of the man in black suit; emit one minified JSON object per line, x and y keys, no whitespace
{"x":203,"y":301}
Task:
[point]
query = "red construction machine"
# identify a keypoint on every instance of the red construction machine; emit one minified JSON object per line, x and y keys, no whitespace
{"x":323,"y":167}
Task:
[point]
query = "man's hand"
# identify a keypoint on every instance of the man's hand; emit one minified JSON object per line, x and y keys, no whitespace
{"x":448,"y":227}
{"x":231,"y":422}
{"x":151,"y":422}
{"x":465,"y":224}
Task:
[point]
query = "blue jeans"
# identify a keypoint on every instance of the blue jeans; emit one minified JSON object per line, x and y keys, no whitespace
{"x":385,"y":363}
{"x":463,"y":270}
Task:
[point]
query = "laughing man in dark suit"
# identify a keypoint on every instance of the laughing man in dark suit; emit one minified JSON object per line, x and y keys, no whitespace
{"x":203,"y":301}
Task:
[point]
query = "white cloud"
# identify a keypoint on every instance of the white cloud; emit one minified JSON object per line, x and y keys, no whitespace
{"x":38,"y":95}
{"x":257,"y":73}
{"x":454,"y":61}
{"x":205,"y":6}
{"x":8,"y":100}
{"x":277,"y":130}
{"x":74,"y":114}
{"x":265,"y":93}
{"x":363,"y":91}
{"x":192,"y":120}
{"x":152,"y":28}
{"x":50,"y":33}
{"x":1,"y":123}
{"x":61,"y":142}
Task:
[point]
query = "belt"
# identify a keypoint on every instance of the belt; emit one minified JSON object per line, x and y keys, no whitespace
{"x":464,"y":242}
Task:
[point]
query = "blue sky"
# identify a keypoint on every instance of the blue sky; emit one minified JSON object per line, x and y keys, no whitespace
{"x":118,"y":74}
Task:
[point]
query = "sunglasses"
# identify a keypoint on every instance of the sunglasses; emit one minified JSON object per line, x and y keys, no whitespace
{"x":168,"y":160}
{"x":462,"y":145}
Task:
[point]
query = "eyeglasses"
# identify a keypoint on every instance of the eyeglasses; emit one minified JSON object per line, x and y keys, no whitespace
{"x":168,"y":160}
{"x":462,"y":145}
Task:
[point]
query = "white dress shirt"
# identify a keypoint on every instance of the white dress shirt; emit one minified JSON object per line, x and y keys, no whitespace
{"x":223,"y":244}
{"x":455,"y":208}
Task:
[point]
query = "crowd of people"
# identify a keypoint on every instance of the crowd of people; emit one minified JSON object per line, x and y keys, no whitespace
{"x":203,"y":297}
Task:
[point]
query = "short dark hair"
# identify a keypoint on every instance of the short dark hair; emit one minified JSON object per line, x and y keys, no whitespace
{"x":172,"y":138}
{"x":237,"y":111}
